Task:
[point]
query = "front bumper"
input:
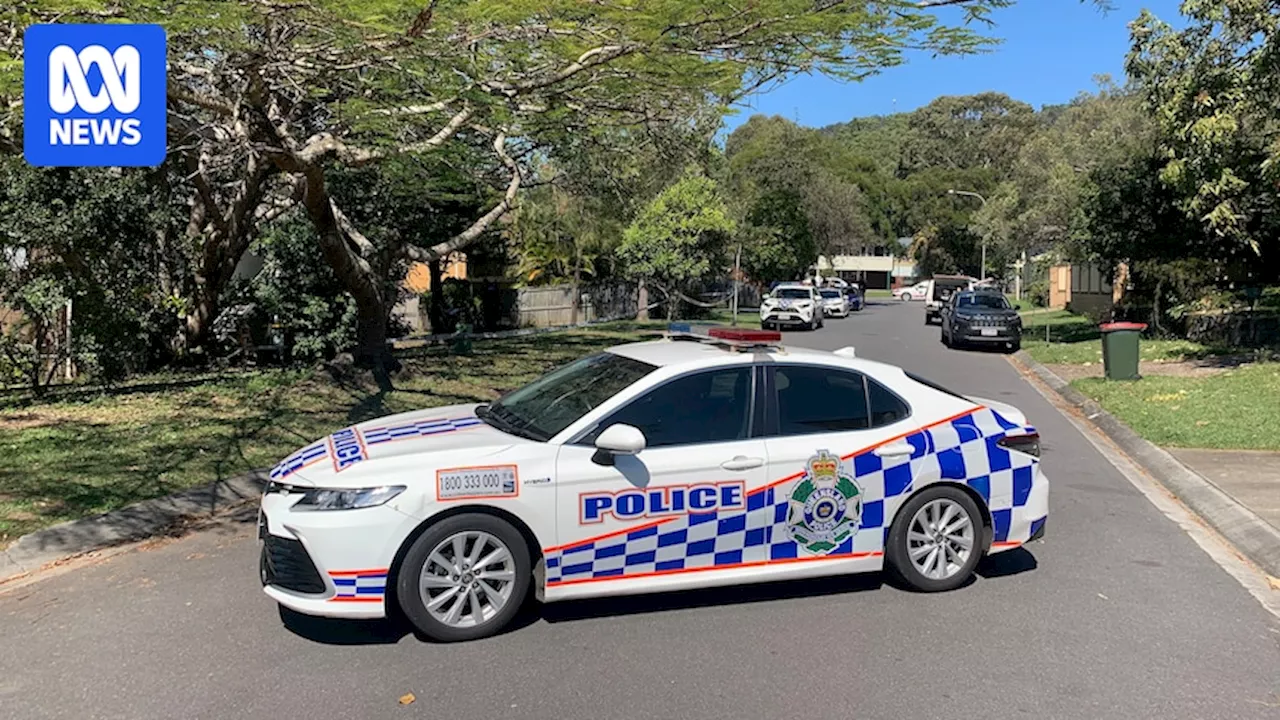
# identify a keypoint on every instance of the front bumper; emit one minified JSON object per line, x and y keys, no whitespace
{"x":1004,"y":334}
{"x":786,"y":317}
{"x":329,"y":563}
{"x":836,"y":310}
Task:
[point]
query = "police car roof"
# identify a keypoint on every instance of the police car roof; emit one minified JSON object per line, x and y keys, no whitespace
{"x":666,"y":352}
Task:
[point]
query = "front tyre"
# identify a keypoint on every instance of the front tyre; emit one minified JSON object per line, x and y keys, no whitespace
{"x":465,"y":578}
{"x":936,"y":540}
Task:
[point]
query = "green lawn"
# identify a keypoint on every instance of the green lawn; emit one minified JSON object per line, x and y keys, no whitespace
{"x":1076,"y":340}
{"x":1238,"y":409}
{"x":90,"y":450}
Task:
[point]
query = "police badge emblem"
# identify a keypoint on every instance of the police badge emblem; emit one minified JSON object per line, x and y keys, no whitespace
{"x":825,"y":506}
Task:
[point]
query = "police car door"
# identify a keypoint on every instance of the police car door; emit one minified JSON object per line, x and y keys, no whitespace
{"x":837,"y":441}
{"x":676,"y":514}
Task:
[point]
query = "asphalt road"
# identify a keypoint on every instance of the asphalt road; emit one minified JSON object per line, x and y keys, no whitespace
{"x":1117,"y":614}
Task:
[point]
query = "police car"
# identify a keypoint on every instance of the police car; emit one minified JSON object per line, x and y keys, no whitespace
{"x":791,"y":304}
{"x":702,"y":458}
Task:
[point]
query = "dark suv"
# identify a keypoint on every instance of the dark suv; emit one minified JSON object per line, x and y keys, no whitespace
{"x":981,"y":317}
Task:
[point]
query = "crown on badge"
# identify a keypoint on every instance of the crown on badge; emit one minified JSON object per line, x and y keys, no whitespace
{"x":824,"y":465}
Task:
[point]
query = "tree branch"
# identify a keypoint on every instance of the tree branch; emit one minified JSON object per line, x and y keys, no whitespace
{"x":466,"y":237}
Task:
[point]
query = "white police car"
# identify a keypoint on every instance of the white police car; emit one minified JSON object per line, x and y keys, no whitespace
{"x":792,"y":304}
{"x":683,"y":462}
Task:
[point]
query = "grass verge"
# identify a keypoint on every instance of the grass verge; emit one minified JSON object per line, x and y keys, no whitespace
{"x":91,"y":450}
{"x":1238,"y":409}
{"x":1075,"y":340}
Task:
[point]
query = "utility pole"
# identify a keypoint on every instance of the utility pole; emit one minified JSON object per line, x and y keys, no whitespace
{"x":984,"y":240}
{"x":737,"y":263}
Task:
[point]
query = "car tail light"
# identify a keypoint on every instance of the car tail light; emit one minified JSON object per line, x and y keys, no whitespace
{"x":1029,"y":444}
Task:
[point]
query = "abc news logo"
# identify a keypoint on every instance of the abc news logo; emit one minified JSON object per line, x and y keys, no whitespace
{"x":69,"y":88}
{"x":94,"y":95}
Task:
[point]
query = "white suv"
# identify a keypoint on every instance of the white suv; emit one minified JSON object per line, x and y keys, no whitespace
{"x":793,"y":304}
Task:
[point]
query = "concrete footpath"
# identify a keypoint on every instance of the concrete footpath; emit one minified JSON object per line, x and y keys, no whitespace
{"x":1251,"y":477}
{"x":1237,"y":492}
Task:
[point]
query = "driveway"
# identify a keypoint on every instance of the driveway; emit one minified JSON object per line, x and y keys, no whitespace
{"x":1117,"y":614}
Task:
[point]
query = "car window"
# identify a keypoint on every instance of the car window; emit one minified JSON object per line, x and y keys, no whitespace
{"x":556,"y":400}
{"x":886,"y":408}
{"x":794,"y":293}
{"x":985,"y":300}
{"x":831,"y":293}
{"x":821,"y":399}
{"x":704,"y":407}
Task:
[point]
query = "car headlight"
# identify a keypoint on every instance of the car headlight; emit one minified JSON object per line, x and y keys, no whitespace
{"x":347,"y":498}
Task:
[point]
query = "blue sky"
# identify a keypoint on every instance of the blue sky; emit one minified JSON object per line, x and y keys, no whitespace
{"x":1052,"y":50}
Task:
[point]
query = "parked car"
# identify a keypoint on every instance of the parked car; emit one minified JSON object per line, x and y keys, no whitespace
{"x":834,"y":303}
{"x":669,"y":465}
{"x":856,"y":295}
{"x":941,"y":287}
{"x":981,"y":317}
{"x":915,"y":292}
{"x":791,"y":304}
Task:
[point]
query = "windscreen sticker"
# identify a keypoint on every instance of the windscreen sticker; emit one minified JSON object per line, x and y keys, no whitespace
{"x":487,"y":481}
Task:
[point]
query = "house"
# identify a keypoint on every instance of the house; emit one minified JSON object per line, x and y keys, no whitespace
{"x":1085,"y":288}
{"x":875,"y":266}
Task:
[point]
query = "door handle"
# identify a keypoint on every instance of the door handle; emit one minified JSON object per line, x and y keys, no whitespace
{"x":897,"y":449}
{"x":742,"y":462}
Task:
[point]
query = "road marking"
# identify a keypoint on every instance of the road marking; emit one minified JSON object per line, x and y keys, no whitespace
{"x":1222,"y":552}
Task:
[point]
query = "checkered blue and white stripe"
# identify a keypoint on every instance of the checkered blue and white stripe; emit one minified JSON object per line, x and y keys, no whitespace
{"x":296,"y":461}
{"x":962,"y":450}
{"x":422,"y":428}
{"x":369,"y":585}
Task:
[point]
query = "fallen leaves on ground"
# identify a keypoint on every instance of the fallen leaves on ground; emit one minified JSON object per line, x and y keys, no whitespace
{"x":407,"y":698}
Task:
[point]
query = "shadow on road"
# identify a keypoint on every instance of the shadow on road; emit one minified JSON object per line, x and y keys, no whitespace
{"x":1007,"y":563}
{"x":331,"y":631}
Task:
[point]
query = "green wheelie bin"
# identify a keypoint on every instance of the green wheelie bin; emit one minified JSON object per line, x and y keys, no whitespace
{"x":1120,"y":349}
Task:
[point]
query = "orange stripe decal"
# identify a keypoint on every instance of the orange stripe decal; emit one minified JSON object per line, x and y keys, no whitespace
{"x":357,"y":599}
{"x":346,"y":573}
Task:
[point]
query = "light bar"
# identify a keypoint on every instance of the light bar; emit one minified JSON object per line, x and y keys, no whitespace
{"x":725,"y":335}
{"x":745,"y":335}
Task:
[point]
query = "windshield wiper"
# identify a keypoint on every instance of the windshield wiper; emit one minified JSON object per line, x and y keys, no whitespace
{"x":506,"y":421}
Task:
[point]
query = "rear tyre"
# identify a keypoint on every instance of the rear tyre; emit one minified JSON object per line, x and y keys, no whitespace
{"x":936,"y":540}
{"x":905,"y":297}
{"x":465,"y":578}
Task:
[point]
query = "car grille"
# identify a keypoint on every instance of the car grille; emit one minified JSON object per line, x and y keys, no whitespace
{"x":285,"y":563}
{"x":989,"y":321}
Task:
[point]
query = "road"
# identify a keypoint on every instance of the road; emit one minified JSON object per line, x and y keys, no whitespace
{"x":1117,"y":614}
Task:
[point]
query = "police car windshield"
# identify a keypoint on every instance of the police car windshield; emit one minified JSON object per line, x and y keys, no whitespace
{"x":556,"y":400}
{"x":793,"y":293}
{"x":830,"y":293}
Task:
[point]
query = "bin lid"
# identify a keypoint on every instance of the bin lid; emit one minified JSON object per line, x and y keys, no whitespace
{"x":1114,"y":326}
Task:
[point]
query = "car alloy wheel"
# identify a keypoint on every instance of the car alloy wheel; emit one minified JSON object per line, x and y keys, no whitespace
{"x":936,"y":540}
{"x":464,"y":578}
{"x":467,"y":579}
{"x":940,"y":539}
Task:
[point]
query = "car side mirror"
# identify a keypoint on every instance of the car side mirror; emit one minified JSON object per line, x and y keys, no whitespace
{"x":617,"y":439}
{"x":766,"y":296}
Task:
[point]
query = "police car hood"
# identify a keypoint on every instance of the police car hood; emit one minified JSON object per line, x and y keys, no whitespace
{"x":351,"y":456}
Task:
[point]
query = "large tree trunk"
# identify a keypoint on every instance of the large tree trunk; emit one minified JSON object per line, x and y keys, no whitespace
{"x":435,"y":309}
{"x":642,"y":302}
{"x":575,"y":301}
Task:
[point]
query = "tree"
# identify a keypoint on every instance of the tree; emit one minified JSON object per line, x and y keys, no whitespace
{"x":786,"y":183}
{"x":271,"y":97}
{"x":679,"y":239}
{"x":983,"y":131}
{"x":1215,"y":88}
